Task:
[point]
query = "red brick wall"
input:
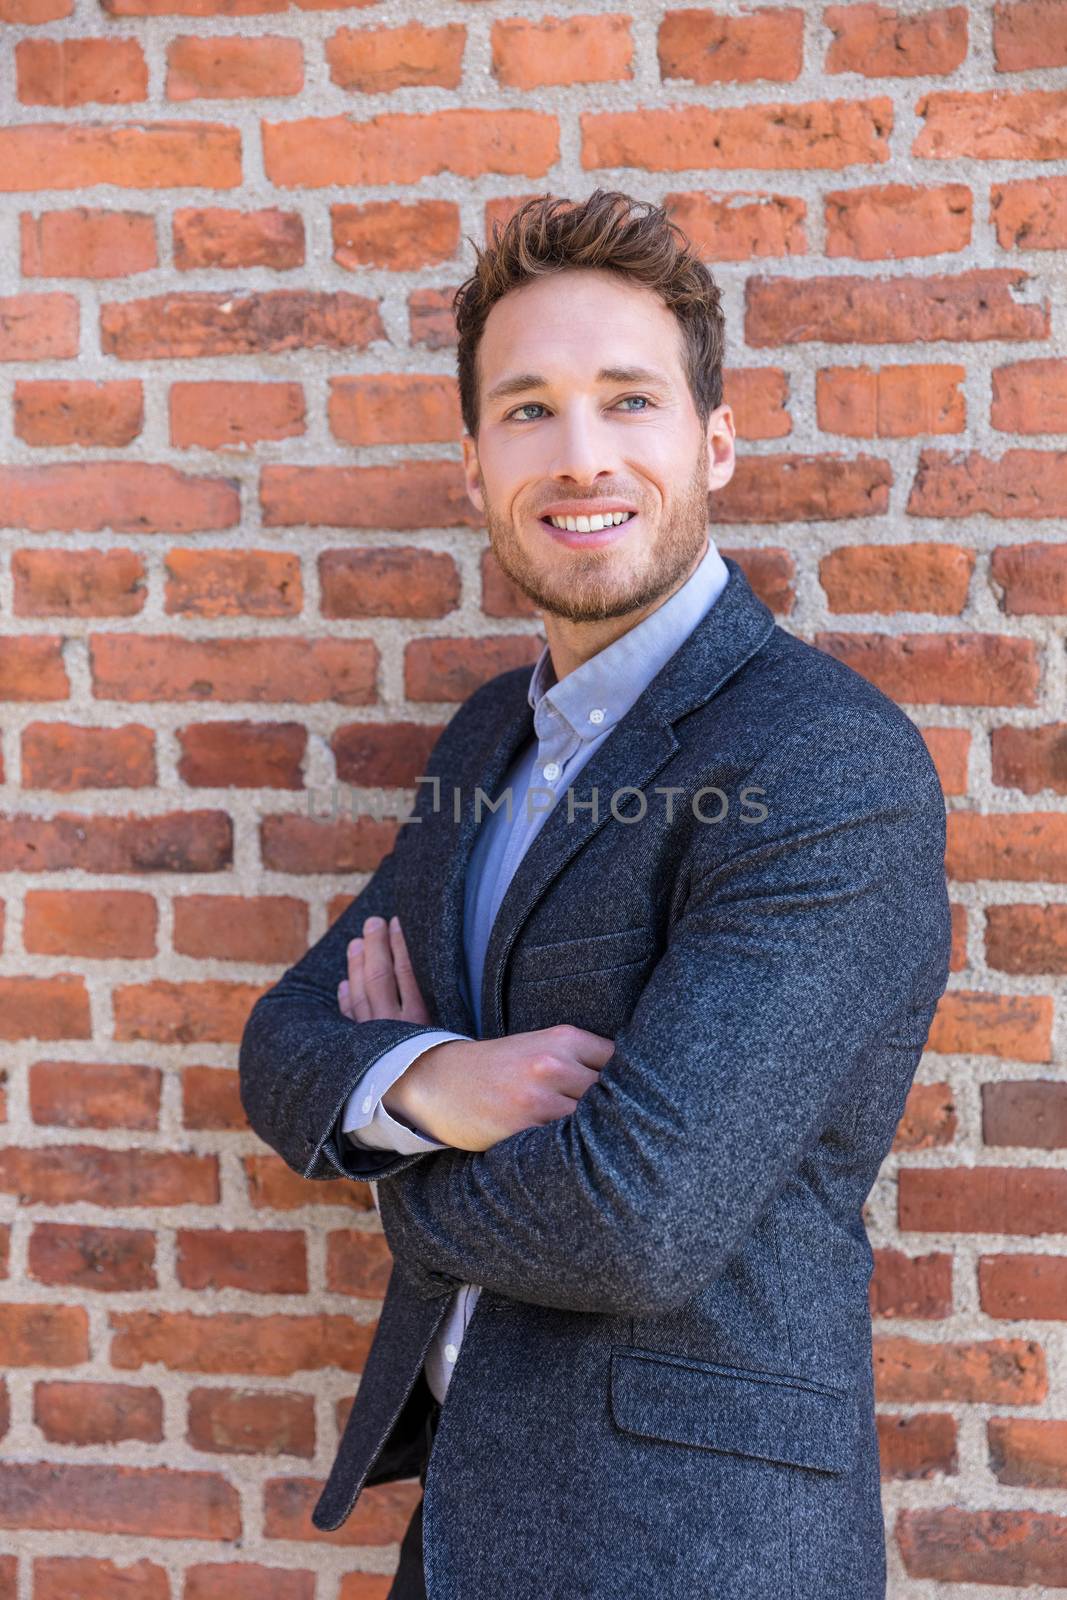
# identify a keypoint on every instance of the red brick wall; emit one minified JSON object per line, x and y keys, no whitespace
{"x":238,"y":565}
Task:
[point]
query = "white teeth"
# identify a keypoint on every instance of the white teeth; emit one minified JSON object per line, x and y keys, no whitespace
{"x":610,"y":519}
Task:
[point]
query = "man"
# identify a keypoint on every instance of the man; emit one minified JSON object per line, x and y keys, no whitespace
{"x":623,"y":1063}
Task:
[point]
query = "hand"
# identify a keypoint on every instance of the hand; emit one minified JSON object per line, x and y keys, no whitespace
{"x":381,"y":981}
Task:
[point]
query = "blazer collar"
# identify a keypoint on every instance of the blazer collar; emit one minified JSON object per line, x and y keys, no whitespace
{"x":638,"y":746}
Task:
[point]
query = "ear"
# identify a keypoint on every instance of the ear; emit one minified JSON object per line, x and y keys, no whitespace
{"x":471,"y":473}
{"x":721,"y":459}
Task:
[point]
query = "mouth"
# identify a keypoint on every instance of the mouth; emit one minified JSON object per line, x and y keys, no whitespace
{"x":588,"y":532}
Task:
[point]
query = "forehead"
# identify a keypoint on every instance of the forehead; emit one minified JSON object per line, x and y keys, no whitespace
{"x":576,"y":322}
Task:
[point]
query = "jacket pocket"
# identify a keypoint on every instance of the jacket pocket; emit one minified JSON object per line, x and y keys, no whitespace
{"x":775,"y":1418}
{"x":565,"y":958}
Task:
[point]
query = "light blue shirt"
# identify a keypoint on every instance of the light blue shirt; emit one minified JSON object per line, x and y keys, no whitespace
{"x":572,"y":718}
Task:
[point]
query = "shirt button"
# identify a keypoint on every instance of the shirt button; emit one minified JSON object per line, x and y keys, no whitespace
{"x":596,"y":716}
{"x":552,"y":770}
{"x":450,"y":1352}
{"x":368,"y":1102}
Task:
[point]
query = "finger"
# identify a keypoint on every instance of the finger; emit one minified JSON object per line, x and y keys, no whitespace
{"x":378,"y":977}
{"x":343,"y":1000}
{"x":411,"y":1001}
{"x":357,"y":990}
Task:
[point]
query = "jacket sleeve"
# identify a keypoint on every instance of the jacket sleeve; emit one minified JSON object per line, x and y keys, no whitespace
{"x":300,"y":1057}
{"x":807,"y":940}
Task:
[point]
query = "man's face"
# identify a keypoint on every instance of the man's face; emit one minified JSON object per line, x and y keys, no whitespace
{"x":585,"y":409}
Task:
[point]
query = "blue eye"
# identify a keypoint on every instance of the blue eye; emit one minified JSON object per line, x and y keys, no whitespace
{"x":642,"y":397}
{"x":526,"y":407}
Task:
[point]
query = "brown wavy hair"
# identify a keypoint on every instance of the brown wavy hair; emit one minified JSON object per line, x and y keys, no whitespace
{"x":617,"y":233}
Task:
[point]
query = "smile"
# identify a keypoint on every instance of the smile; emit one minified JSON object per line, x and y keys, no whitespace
{"x":594,"y":524}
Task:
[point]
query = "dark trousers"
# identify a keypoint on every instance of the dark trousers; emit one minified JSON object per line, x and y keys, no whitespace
{"x":410,"y":1581}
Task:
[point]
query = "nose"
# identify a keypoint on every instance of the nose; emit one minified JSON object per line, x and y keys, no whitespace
{"x":584,"y":450}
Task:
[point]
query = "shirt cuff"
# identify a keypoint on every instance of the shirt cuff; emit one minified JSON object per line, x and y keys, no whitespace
{"x":365,"y":1120}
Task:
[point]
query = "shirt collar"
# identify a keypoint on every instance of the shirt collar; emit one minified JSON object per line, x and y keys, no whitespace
{"x":612,"y":680}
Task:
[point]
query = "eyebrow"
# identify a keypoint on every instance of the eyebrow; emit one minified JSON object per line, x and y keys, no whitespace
{"x":521,"y":382}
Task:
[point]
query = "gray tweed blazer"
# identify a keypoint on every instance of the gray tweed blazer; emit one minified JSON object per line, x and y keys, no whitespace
{"x":666,"y":1387}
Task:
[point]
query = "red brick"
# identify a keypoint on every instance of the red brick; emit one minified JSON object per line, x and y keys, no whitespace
{"x":264,"y":669}
{"x":979,"y":304}
{"x":882,"y":42}
{"x":758,"y":399}
{"x":1022,"y":483}
{"x":173,"y":326}
{"x":151,"y":1502}
{"x":60,"y":756}
{"x":211,"y":1098}
{"x":233,"y":583}
{"x":796,"y":488}
{"x":230,"y":1581}
{"x":1022,"y":1200}
{"x":403,"y":581}
{"x":1028,"y":1451}
{"x":742,"y":225}
{"x":255,"y":1262}
{"x":97,"y":1414}
{"x":915,"y":576}
{"x":911,"y":1286}
{"x":805,"y":135}
{"x":80,"y":1094}
{"x":242,"y":755}
{"x":395,"y":408}
{"x":219,"y":416}
{"x":357,"y":1263}
{"x":987,"y":1547}
{"x":500,"y":596}
{"x":175,"y":841}
{"x":1015,"y":1027}
{"x":31,"y":668}
{"x":183,"y":1013}
{"x":378,"y":755}
{"x":122,"y":496}
{"x":451,"y":669}
{"x":950,"y":749}
{"x":381,"y":1516}
{"x":958,"y":957}
{"x":210,"y":236}
{"x":37,"y":327}
{"x":219,"y":8}
{"x":992,"y":125}
{"x":42,"y":1336}
{"x":99,"y":1259}
{"x":131,"y":155}
{"x":272,"y":1186}
{"x":405,"y":496}
{"x":30,"y":13}
{"x":533,"y":53}
{"x":292,"y":843}
{"x":890,"y":402}
{"x":87,"y":1578}
{"x":1030,"y":397}
{"x":269,"y":929}
{"x":118,"y":1179}
{"x":1022,"y":847}
{"x":44,"y":1008}
{"x":1027,"y":938}
{"x":78,"y":583}
{"x":102,"y":924}
{"x":1030,"y":579}
{"x":1030,"y":759}
{"x":256,"y":1423}
{"x":233,"y":1341}
{"x":1029,"y":33}
{"x":966,"y":669}
{"x":233,"y":68}
{"x":87,"y":244}
{"x":1030,"y":213}
{"x":431,"y":322}
{"x":1023,"y":1287}
{"x":918,"y":1446}
{"x":1031,"y":1112}
{"x":980,"y":1371}
{"x":78,"y":72}
{"x":379,"y":60}
{"x":64,"y":411}
{"x":929,"y":1119}
{"x":396,"y":148}
{"x":396,"y":236}
{"x":897,"y":220}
